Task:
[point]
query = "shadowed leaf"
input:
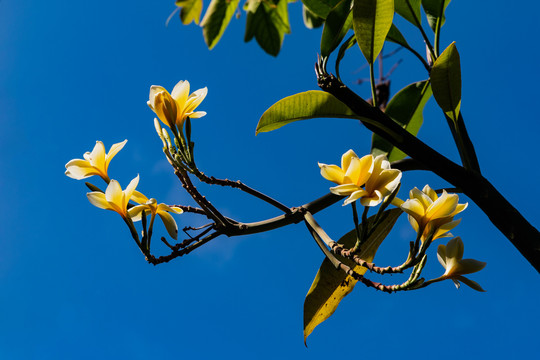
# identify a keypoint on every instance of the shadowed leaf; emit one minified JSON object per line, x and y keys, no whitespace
{"x":434,"y":10}
{"x":216,"y":19}
{"x":406,"y":108}
{"x":268,"y":22}
{"x":337,"y":24}
{"x":330,"y":285}
{"x":321,"y":8}
{"x":311,"y":20}
{"x":395,"y":36}
{"x":409,"y":10}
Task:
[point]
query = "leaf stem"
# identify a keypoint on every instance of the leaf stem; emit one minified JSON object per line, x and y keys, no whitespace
{"x":372,"y":81}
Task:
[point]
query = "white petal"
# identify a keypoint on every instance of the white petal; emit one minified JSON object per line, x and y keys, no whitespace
{"x":135,"y":213}
{"x":113,"y":193}
{"x":97,"y":156}
{"x":180,"y":94}
{"x":129,"y":191}
{"x":97,"y":198}
{"x":169,"y":223}
{"x":113,"y":151}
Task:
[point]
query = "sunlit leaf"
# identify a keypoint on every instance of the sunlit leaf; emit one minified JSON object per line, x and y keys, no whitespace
{"x":446,"y":81}
{"x":372,"y":20}
{"x":434,"y":10}
{"x":337,"y":24}
{"x":406,"y":108}
{"x":302,"y":106}
{"x":321,"y":8}
{"x":190,"y":10}
{"x":410,"y":10}
{"x":330,"y":285}
{"x":311,"y":20}
{"x":216,"y":19}
{"x":267,"y":21}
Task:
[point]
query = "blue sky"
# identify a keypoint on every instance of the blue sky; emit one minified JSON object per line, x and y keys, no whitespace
{"x":73,"y":284}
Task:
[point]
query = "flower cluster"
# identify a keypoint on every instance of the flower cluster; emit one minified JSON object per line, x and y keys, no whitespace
{"x":369,"y":178}
{"x":114,"y":198}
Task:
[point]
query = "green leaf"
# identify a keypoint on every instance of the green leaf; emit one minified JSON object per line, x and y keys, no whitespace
{"x":410,"y":10}
{"x":321,"y":8}
{"x":446,"y":81}
{"x":337,"y":24}
{"x":435,"y":12}
{"x":191,"y":11}
{"x":406,"y":108}
{"x":341,"y":53}
{"x":302,"y":106}
{"x":215,"y":21}
{"x":267,"y":21}
{"x":372,"y":20}
{"x":311,"y":20}
{"x":395,"y":36}
{"x":330,"y":285}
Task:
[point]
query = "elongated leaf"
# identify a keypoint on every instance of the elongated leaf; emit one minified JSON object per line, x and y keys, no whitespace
{"x":410,"y":10}
{"x":446,"y":81}
{"x":321,"y":8}
{"x":330,"y":285}
{"x":434,"y":10}
{"x":215,"y":21}
{"x":337,"y":24}
{"x":191,"y":10}
{"x":341,"y":53}
{"x":372,"y":20}
{"x":302,"y":106}
{"x":311,"y":20}
{"x":395,"y":36}
{"x":268,"y":22}
{"x":406,"y":108}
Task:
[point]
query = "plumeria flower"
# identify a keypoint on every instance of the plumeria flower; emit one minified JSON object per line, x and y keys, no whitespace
{"x":94,"y":163}
{"x":451,"y":258}
{"x":430,"y":214}
{"x":150,"y":206}
{"x":114,"y":198}
{"x":382,"y":182}
{"x":368,"y":179}
{"x":173,"y":109}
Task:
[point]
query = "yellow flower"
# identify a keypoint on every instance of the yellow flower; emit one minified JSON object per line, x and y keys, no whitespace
{"x":431,"y":214}
{"x":382,"y":182}
{"x":150,"y":206}
{"x":367,"y":179}
{"x":95,"y":163}
{"x":174,"y":108}
{"x":114,"y":198}
{"x":451,"y":258}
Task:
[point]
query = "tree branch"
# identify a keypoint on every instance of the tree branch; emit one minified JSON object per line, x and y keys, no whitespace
{"x":502,"y":214}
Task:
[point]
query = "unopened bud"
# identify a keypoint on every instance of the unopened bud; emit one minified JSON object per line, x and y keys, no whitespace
{"x":159,"y":131}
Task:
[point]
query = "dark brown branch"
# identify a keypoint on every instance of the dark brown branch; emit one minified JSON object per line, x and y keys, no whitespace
{"x":502,"y":214}
{"x":241,"y":186}
{"x":177,"y":252}
{"x":210,"y":211}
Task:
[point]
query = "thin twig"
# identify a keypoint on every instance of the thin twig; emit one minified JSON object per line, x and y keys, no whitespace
{"x":243,"y":187}
{"x":210,"y":211}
